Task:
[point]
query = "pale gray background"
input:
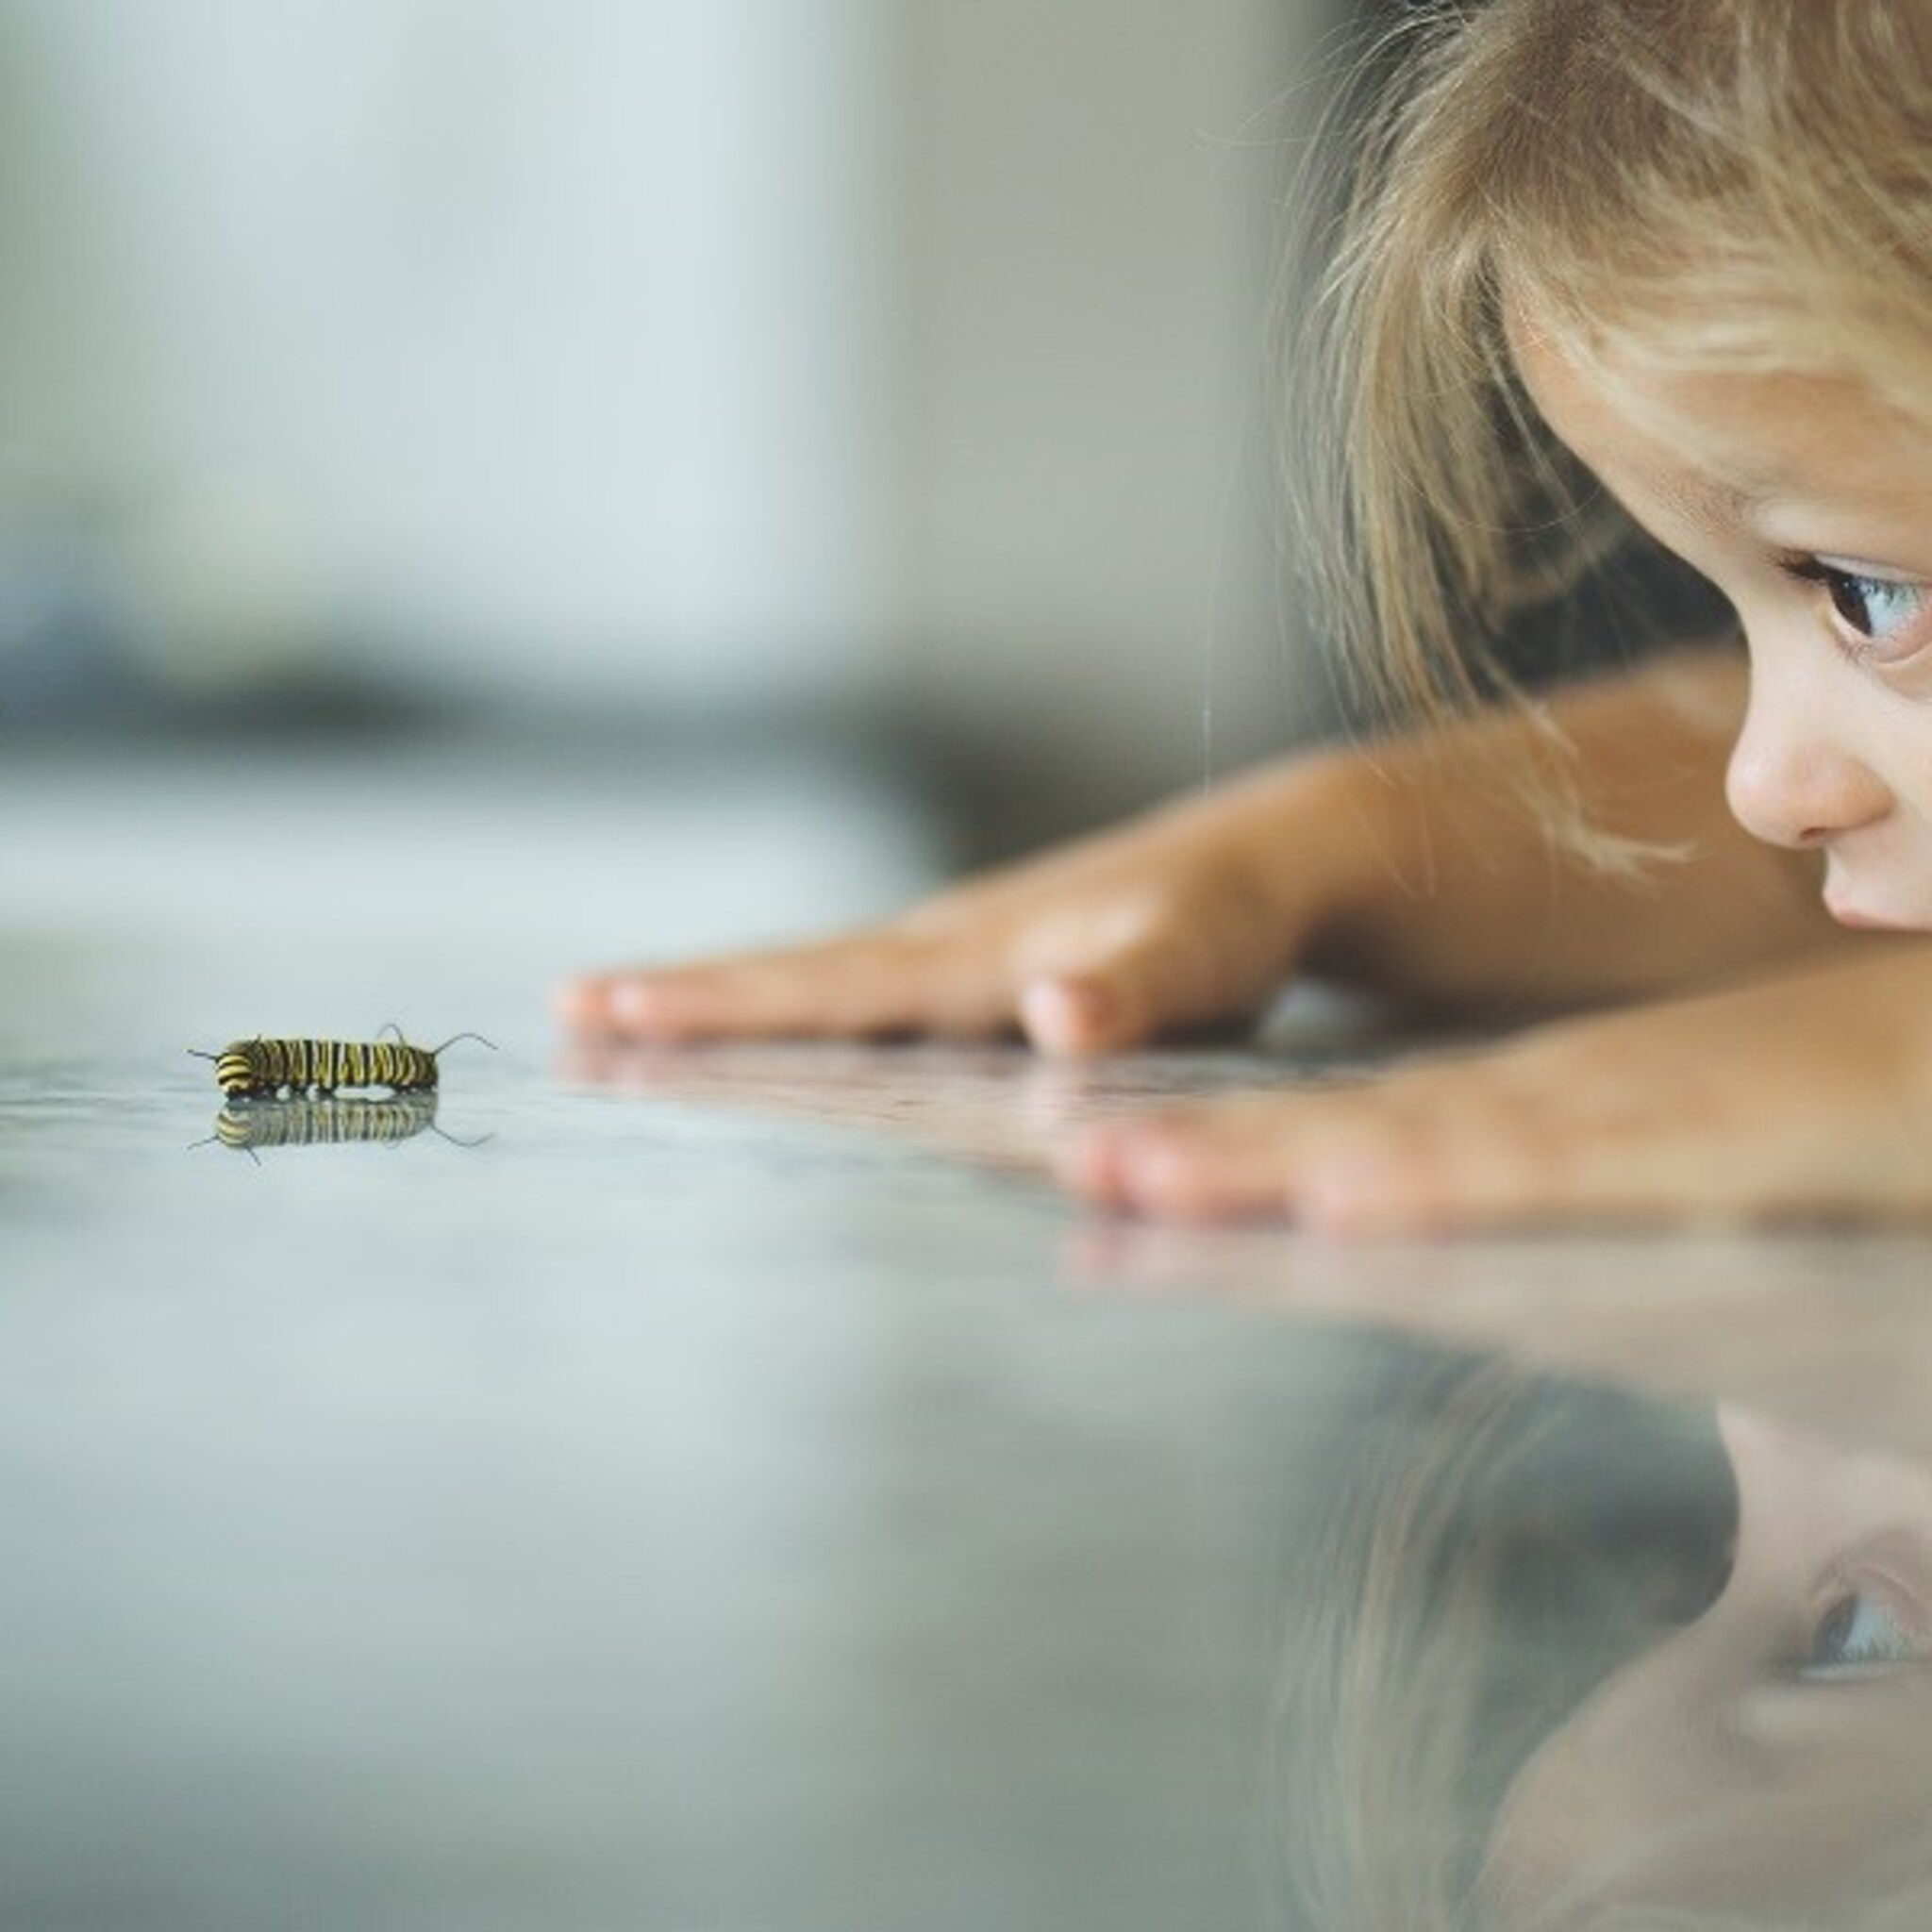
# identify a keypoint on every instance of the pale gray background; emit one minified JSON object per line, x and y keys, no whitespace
{"x":899,"y":361}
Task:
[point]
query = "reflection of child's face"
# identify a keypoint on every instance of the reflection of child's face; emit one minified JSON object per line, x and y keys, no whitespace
{"x":1778,"y":1750}
{"x":1809,"y":504}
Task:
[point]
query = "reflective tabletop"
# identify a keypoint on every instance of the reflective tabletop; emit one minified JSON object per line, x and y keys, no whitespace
{"x":733,"y":1489}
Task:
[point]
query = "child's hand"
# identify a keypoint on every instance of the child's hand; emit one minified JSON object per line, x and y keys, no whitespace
{"x":1177,"y":920}
{"x":1801,"y":1098}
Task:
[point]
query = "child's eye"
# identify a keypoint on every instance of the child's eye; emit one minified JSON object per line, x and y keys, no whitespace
{"x":1874,"y":606}
{"x":1883,"y":610}
{"x":1858,"y":1636}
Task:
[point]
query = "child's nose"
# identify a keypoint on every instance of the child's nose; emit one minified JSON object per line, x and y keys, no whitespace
{"x":1791,"y":781}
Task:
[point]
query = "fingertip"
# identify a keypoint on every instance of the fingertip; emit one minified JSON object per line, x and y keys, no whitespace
{"x":1069,"y":1016}
{"x":1337,"y":1201}
{"x":1088,"y":1165}
{"x":581,"y":1004}
{"x":624,"y":1005}
{"x":1144,"y":1169}
{"x":1164,"y":1176}
{"x":1366,"y":1195}
{"x":642,"y":1011}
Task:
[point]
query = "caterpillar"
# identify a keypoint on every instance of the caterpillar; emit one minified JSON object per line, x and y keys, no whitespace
{"x":260,"y":1069}
{"x":248,"y":1125}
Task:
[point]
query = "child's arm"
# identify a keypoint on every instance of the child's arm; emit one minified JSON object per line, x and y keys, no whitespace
{"x":1410,"y":867}
{"x":1464,"y":898}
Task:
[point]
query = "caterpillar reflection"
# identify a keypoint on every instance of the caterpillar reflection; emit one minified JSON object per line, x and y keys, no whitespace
{"x":260,"y":1069}
{"x":247,"y":1125}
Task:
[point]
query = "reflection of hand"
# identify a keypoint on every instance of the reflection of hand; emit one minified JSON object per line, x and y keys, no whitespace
{"x":1180,"y":919}
{"x":1835,"y":1335}
{"x":1802,"y":1098}
{"x":988,"y":1104}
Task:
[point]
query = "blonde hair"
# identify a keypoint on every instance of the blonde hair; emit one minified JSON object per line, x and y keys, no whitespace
{"x":1491,"y":1545}
{"x":1728,"y":185}
{"x":1495,"y":1543}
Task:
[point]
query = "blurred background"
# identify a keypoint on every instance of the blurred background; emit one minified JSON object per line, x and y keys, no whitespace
{"x":650,"y":373}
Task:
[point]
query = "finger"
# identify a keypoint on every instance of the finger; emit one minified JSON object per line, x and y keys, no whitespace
{"x":1074,"y":1015}
{"x":1421,"y":1155}
{"x":1121,"y":994}
{"x":1410,"y":1154}
{"x":874,"y":985}
{"x":1220,"y":1162}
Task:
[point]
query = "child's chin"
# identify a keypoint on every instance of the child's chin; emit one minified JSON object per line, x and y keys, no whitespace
{"x":1865,"y":919}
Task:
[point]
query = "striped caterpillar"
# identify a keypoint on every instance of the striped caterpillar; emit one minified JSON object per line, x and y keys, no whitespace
{"x":260,"y":1069}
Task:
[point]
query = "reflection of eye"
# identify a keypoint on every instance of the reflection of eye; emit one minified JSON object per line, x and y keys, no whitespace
{"x":1860,"y":1635}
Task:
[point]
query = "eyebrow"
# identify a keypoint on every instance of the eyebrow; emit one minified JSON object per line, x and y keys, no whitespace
{"x":1710,"y":503}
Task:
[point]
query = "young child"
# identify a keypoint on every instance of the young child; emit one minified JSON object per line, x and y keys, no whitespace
{"x":1606,"y":260}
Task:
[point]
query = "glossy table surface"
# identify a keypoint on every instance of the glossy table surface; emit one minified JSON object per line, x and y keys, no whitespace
{"x":735,"y":1491}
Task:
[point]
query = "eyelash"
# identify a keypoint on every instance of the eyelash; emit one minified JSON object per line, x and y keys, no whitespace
{"x":1860,"y":645}
{"x":1857,"y":1637}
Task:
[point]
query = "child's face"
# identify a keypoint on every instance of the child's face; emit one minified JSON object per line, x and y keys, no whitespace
{"x":1777,"y":1750}
{"x":1809,"y":504}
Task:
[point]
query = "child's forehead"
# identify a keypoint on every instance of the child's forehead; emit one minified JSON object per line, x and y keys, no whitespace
{"x":1729,"y":448}
{"x":1667,"y":374}
{"x":1672,"y":351}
